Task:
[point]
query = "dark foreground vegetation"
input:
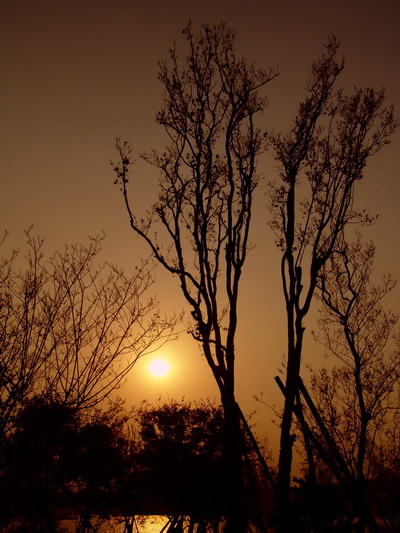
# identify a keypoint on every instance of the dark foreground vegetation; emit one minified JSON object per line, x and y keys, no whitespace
{"x":59,"y":464}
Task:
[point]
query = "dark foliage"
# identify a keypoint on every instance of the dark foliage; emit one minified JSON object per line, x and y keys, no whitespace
{"x":59,"y":464}
{"x":180,"y":454}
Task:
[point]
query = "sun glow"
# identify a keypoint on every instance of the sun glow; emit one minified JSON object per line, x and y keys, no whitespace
{"x":159,"y":368}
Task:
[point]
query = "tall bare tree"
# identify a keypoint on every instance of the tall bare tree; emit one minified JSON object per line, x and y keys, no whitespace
{"x":198,"y":228}
{"x":357,"y":398}
{"x":70,"y":329}
{"x":320,"y":159}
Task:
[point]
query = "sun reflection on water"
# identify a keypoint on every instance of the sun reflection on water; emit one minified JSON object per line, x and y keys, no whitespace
{"x":143,"y":524}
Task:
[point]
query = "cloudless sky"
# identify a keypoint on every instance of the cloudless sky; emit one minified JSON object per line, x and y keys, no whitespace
{"x":76,"y":74}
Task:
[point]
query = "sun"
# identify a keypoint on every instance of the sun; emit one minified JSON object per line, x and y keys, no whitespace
{"x":159,"y":367}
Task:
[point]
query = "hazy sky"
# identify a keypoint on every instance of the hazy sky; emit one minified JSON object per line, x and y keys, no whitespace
{"x":76,"y":74}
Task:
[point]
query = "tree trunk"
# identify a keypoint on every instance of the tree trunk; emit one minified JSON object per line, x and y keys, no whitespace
{"x":234,"y":502}
{"x":283,"y":501}
{"x":284,"y":516}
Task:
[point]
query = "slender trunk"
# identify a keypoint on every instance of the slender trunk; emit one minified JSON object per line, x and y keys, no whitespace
{"x":285,"y":463}
{"x":361,"y":497}
{"x":361,"y":481}
{"x":283,"y":501}
{"x":235,"y":506}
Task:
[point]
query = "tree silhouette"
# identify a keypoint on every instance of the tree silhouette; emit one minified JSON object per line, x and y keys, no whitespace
{"x":36,"y":466}
{"x":69,"y":329}
{"x":320,"y":160}
{"x":357,"y":397}
{"x":59,"y":463}
{"x":179,"y":458}
{"x":198,"y":229}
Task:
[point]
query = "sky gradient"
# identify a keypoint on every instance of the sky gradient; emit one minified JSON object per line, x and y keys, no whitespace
{"x":77,"y":74}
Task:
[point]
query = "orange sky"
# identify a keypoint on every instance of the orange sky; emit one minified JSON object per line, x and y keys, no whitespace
{"x":76,"y":74}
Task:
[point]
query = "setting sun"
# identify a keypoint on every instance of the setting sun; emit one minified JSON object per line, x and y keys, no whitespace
{"x":159,"y":368}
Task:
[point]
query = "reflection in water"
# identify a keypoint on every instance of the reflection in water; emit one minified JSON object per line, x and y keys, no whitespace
{"x":150,"y":524}
{"x":143,"y":524}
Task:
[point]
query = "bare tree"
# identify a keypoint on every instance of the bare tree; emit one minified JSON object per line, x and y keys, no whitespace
{"x":320,"y":160}
{"x":386,"y":458}
{"x":357,"y":398}
{"x":203,"y":210}
{"x":69,"y":329}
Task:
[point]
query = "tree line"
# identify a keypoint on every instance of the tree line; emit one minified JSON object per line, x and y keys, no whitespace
{"x":345,"y":420}
{"x":63,"y":466}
